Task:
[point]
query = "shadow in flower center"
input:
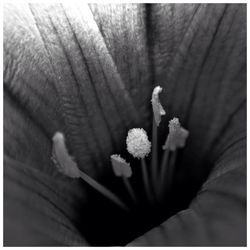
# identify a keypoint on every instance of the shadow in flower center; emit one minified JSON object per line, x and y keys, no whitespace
{"x":104,"y":224}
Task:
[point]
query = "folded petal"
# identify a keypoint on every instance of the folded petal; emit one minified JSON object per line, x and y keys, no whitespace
{"x":217,"y":215}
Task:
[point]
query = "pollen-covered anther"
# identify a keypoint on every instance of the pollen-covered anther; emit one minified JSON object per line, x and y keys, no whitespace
{"x":156,"y":105}
{"x":138,"y":144}
{"x":177,"y":135}
{"x":120,"y":166}
{"x":60,"y":156}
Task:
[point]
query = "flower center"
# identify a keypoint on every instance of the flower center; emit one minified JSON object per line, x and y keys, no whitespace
{"x":144,"y":193}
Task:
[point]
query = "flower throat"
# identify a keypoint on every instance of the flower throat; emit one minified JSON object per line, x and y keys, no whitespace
{"x":156,"y":175}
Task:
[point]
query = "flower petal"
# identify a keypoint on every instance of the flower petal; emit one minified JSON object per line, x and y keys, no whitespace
{"x":59,"y":76}
{"x":200,"y":58}
{"x":35,"y":211}
{"x":216,"y":217}
{"x":80,"y":75}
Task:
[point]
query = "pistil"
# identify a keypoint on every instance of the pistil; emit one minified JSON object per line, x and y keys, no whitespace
{"x":158,"y":111}
{"x":67,"y":166}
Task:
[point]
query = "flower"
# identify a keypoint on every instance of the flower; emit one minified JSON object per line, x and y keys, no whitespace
{"x":138,"y":144}
{"x":89,"y":70}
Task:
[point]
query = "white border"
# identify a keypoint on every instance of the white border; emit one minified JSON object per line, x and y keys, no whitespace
{"x":111,"y":1}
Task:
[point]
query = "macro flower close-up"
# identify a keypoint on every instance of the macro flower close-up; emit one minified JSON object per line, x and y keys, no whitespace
{"x":124,"y":124}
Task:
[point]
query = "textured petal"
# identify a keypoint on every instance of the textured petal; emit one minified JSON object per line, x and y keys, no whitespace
{"x":36,"y":209}
{"x":216,"y":217}
{"x":200,"y":59}
{"x":124,"y":30}
{"x":89,"y":71}
{"x":59,"y":76}
{"x":82,"y":82}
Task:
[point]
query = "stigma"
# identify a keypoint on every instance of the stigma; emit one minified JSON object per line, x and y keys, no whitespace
{"x":156,"y":105}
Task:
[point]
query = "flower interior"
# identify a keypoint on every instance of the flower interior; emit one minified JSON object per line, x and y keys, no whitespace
{"x":142,"y":193}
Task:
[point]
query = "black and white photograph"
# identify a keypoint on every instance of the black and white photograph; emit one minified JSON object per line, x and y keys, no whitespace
{"x":124,"y":124}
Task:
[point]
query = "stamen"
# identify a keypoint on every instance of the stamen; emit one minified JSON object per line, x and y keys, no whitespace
{"x":167,"y":175}
{"x":176,"y":139}
{"x":120,"y":166}
{"x":60,"y":156}
{"x":137,"y":143}
{"x":129,"y":189}
{"x":170,"y":175}
{"x":139,"y":146}
{"x":104,"y":191}
{"x":164,"y":167}
{"x":177,"y":135}
{"x":154,"y":157}
{"x":67,"y":166}
{"x":122,"y":169}
{"x":146,"y":180}
{"x":157,"y":107}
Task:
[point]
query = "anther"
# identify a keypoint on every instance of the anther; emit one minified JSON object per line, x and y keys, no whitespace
{"x":67,"y":166}
{"x":177,"y":135}
{"x":60,"y":156}
{"x":120,"y":166}
{"x":137,"y":143}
